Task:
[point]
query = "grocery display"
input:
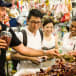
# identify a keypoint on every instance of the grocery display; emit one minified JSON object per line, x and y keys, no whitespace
{"x":60,"y":68}
{"x":64,"y":65}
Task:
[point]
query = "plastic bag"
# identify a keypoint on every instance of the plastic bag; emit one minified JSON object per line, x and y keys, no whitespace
{"x":66,"y":17}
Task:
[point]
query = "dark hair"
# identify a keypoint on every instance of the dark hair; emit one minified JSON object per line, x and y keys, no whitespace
{"x":35,"y":12}
{"x":5,"y":4}
{"x":46,"y":21}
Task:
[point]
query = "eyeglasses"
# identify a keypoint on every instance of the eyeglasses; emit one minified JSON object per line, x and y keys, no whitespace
{"x":35,"y":22}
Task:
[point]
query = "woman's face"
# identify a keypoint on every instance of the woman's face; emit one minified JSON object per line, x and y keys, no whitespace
{"x":73,"y":28}
{"x":48,"y":28}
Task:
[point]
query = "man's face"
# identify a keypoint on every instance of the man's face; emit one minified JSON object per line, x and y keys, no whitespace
{"x":34,"y":23}
{"x":73,"y":28}
{"x":2,"y":13}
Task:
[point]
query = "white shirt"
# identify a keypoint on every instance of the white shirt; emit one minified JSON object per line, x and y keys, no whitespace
{"x":33,"y":41}
{"x":69,"y":44}
{"x":50,"y":43}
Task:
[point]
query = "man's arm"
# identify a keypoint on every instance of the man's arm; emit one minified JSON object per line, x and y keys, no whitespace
{"x":18,"y":56}
{"x":28,"y":51}
{"x":19,"y":47}
{"x":32,"y":52}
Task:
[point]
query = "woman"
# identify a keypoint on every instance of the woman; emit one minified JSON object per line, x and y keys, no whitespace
{"x":49,"y":38}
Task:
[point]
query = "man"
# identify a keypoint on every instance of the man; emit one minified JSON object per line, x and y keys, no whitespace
{"x":32,"y":39}
{"x":33,"y":35}
{"x":15,"y":43}
{"x":69,"y":40}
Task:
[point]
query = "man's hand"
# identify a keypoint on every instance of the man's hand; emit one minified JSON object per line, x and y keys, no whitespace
{"x":53,"y":52}
{"x":3,"y":44}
